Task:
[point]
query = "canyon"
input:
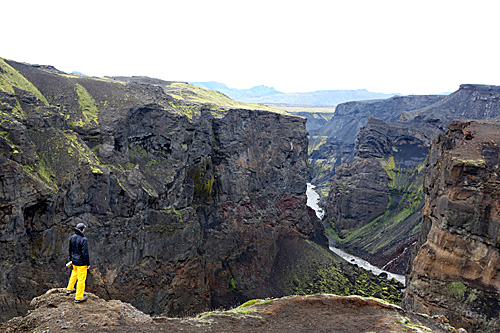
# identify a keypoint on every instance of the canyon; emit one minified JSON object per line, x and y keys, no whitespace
{"x":193,"y":201}
{"x":407,"y":204}
{"x":370,"y":161}
{"x":196,"y":202}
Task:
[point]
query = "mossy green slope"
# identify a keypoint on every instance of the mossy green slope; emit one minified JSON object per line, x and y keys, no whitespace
{"x":10,"y":79}
{"x":48,"y":155}
{"x":88,"y":107}
{"x":398,"y":226}
{"x":324,"y":272}
{"x":80,"y":97}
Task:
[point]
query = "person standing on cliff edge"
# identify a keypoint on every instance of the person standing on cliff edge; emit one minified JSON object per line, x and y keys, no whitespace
{"x":79,"y":256}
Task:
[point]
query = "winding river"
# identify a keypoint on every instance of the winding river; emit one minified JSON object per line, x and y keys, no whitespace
{"x":312,"y":201}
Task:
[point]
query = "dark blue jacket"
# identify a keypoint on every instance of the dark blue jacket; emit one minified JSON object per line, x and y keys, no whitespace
{"x":78,"y":249}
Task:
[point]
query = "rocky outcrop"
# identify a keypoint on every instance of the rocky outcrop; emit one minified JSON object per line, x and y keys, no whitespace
{"x":406,"y":142}
{"x":456,"y":271}
{"x":54,"y":312}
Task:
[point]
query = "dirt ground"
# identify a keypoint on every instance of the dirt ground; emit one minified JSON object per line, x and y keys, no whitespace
{"x":57,"y":312}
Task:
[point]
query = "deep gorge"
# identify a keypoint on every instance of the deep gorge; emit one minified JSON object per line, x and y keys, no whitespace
{"x":193,"y":201}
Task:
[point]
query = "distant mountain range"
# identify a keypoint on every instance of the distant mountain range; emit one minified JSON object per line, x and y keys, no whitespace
{"x":238,"y":94}
{"x":268,"y":95}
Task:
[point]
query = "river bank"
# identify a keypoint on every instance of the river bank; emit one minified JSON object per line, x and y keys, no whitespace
{"x":312,"y":201}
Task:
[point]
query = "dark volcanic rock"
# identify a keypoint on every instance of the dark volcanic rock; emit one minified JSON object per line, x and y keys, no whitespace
{"x":351,"y":116}
{"x":471,"y":101}
{"x":407,"y":142}
{"x":357,"y":195}
{"x":192,"y":200}
{"x":456,"y":269}
{"x":186,"y":203}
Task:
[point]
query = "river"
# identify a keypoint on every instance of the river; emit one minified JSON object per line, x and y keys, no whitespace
{"x":312,"y":201}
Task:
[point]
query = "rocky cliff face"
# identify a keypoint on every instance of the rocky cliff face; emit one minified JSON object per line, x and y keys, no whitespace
{"x":186,"y":204}
{"x":375,"y":201}
{"x":456,"y":271}
{"x":192,"y":201}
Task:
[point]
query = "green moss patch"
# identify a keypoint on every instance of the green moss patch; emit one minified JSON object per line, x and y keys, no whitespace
{"x":305,"y":268}
{"x":10,"y":78}
{"x":88,"y":106}
{"x":203,"y":180}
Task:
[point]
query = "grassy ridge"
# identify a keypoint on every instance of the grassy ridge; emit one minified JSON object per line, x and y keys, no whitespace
{"x":202,"y":96}
{"x":10,"y":78}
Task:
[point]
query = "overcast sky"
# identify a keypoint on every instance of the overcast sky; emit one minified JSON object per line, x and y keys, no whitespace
{"x":408,"y":47}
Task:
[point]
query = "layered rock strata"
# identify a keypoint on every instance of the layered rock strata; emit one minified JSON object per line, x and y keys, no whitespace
{"x":456,"y":271}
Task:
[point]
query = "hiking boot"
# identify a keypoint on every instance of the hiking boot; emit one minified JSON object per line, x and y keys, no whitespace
{"x":84,"y":298}
{"x":70,"y":291}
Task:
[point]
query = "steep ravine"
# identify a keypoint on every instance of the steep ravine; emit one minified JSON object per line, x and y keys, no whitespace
{"x":374,"y":205}
{"x":193,"y":201}
{"x":312,"y":201}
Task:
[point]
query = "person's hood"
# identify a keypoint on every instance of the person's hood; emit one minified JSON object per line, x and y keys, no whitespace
{"x":79,"y":232}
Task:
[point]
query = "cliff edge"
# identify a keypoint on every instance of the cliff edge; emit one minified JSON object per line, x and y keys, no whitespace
{"x":54,"y":311}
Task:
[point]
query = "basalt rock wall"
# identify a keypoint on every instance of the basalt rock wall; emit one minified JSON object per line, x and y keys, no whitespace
{"x":456,"y":271}
{"x":187,"y":204}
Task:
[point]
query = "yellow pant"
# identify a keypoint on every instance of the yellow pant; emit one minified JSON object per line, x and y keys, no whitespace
{"x":78,"y":273}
